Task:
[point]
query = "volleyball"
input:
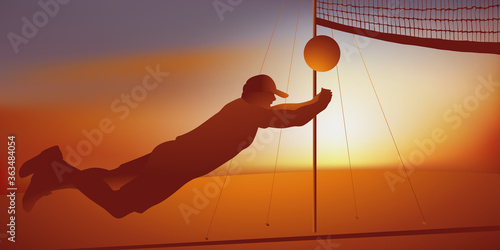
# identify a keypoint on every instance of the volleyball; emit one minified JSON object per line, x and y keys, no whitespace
{"x":322,"y":53}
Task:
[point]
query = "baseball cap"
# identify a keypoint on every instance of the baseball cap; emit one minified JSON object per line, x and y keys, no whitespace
{"x":262,"y":83}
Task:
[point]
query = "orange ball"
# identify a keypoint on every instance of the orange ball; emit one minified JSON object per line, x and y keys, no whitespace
{"x":322,"y":53}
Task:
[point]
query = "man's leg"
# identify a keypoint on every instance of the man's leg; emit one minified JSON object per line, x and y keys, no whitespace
{"x":115,"y":177}
{"x":162,"y":176}
{"x":51,"y":172}
{"x":91,"y":182}
{"x":96,"y":189}
{"x":144,"y":191}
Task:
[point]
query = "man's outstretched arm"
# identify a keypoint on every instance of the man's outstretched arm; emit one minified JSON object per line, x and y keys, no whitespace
{"x":298,"y":114}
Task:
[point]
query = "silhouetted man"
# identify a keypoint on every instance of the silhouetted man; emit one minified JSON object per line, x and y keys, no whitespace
{"x":172,"y":164}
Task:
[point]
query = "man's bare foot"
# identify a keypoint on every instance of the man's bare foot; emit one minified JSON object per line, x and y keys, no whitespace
{"x":38,"y":188}
{"x":44,"y":178}
{"x":45,"y":158}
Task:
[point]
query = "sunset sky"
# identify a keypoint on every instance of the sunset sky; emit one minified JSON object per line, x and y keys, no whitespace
{"x":89,"y":54}
{"x":74,"y":73}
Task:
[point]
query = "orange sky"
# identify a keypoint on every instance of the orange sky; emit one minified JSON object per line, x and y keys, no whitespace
{"x":416,"y":92}
{"x":50,"y":101}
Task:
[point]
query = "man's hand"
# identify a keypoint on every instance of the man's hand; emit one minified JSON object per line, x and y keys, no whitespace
{"x":324,"y":97}
{"x":302,"y":113}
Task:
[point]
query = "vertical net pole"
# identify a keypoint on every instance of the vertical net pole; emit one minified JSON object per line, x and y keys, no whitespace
{"x":314,"y":136}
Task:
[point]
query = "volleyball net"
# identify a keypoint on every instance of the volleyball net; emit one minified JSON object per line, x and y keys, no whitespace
{"x":458,"y":25}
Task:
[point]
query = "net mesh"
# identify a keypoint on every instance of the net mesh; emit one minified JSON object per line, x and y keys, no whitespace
{"x":450,"y":20}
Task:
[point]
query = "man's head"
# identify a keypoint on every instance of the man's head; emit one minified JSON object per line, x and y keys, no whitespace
{"x":260,"y":90}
